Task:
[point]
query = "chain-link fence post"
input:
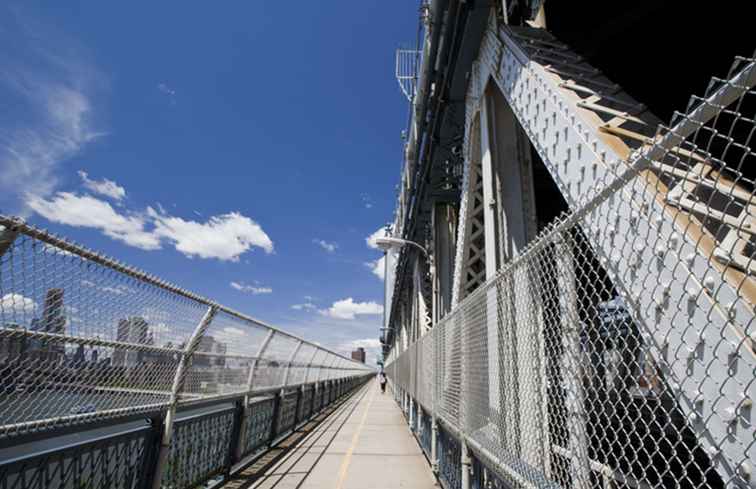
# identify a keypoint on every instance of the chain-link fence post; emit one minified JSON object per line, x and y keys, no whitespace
{"x":250,"y":385}
{"x":178,"y":385}
{"x":466,"y":463}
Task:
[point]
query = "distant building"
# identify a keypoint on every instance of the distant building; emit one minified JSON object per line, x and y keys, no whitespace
{"x":12,"y":345}
{"x":53,"y":321}
{"x":134,"y":330}
{"x":359,"y":354}
{"x":209,"y":344}
{"x":53,"y":317}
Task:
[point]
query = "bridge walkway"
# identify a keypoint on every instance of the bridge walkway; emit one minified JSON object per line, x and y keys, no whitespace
{"x":363,"y":443}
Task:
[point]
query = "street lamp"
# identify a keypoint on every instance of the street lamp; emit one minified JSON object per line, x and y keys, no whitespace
{"x":388,"y":243}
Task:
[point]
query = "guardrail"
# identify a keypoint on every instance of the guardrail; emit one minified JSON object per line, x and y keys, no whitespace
{"x":86,"y":341}
{"x":207,"y":445}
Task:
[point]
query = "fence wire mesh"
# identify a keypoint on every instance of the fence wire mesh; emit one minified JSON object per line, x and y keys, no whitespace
{"x":84,"y":337}
{"x":617,"y":350}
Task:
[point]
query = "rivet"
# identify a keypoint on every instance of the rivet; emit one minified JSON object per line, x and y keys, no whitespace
{"x":658,"y":220}
{"x":709,"y":283}
{"x":731,"y":310}
{"x":660,"y":251}
{"x":745,"y":471}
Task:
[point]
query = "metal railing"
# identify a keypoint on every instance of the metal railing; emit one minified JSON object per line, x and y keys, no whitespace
{"x":617,"y":350}
{"x":86,"y":341}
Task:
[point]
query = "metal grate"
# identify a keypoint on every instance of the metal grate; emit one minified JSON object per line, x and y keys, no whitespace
{"x":617,"y":350}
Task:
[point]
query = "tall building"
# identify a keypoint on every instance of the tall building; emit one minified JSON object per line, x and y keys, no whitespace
{"x":134,"y":330}
{"x":53,"y":320}
{"x":53,"y":317}
{"x":359,"y":354}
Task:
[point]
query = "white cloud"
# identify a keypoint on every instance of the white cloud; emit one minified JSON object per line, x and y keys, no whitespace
{"x":224,"y":237}
{"x":167,"y":91}
{"x":104,"y":187}
{"x":348,"y":309}
{"x":378,"y":267}
{"x":367,"y":201}
{"x":86,"y":211}
{"x":309,"y":306}
{"x":329,"y":247}
{"x":364,"y":343}
{"x":309,"y":298}
{"x":372,"y":348}
{"x":230,"y":330}
{"x":380,"y":233}
{"x":250,"y":289}
{"x":16,"y":304}
{"x":51,"y":119}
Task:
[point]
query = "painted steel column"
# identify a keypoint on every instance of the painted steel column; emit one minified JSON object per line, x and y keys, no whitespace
{"x":496,"y":399}
{"x":178,"y":385}
{"x":250,"y":384}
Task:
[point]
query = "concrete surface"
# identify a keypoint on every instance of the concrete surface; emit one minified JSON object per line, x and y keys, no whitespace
{"x":364,"y":444}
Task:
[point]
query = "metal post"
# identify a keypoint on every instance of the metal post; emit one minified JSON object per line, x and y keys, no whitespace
{"x":250,"y":382}
{"x":466,"y":462}
{"x":434,"y":441}
{"x":412,"y":414}
{"x":178,"y":384}
{"x":288,"y":364}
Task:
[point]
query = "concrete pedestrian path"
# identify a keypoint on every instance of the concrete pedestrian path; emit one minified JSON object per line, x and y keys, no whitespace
{"x":363,"y":444}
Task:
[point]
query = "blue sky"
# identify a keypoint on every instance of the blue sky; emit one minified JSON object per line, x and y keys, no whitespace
{"x":243,"y":150}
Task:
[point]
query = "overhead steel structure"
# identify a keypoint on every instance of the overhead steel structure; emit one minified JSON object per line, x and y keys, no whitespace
{"x":585,"y":314}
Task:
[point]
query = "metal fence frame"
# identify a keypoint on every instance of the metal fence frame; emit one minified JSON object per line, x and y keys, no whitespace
{"x":32,"y":259}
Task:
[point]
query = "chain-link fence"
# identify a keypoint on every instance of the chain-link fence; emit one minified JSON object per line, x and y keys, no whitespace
{"x":617,"y":350}
{"x":84,"y":337}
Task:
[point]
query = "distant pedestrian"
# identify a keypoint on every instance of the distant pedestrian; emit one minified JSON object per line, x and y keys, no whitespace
{"x":382,"y":380}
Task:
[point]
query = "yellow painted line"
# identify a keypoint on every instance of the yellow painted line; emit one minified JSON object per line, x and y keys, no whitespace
{"x":348,"y":456}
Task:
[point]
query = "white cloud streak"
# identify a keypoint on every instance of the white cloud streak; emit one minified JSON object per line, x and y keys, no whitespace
{"x":250,"y":289}
{"x":52,"y":88}
{"x":224,"y":237}
{"x":86,"y":211}
{"x":348,"y":309}
{"x":104,"y":187}
{"x":11,"y":304}
{"x":308,"y":306}
{"x":378,"y":267}
{"x":370,"y":240}
{"x":329,"y":247}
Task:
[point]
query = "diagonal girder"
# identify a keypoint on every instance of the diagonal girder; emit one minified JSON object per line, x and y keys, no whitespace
{"x":656,"y":254}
